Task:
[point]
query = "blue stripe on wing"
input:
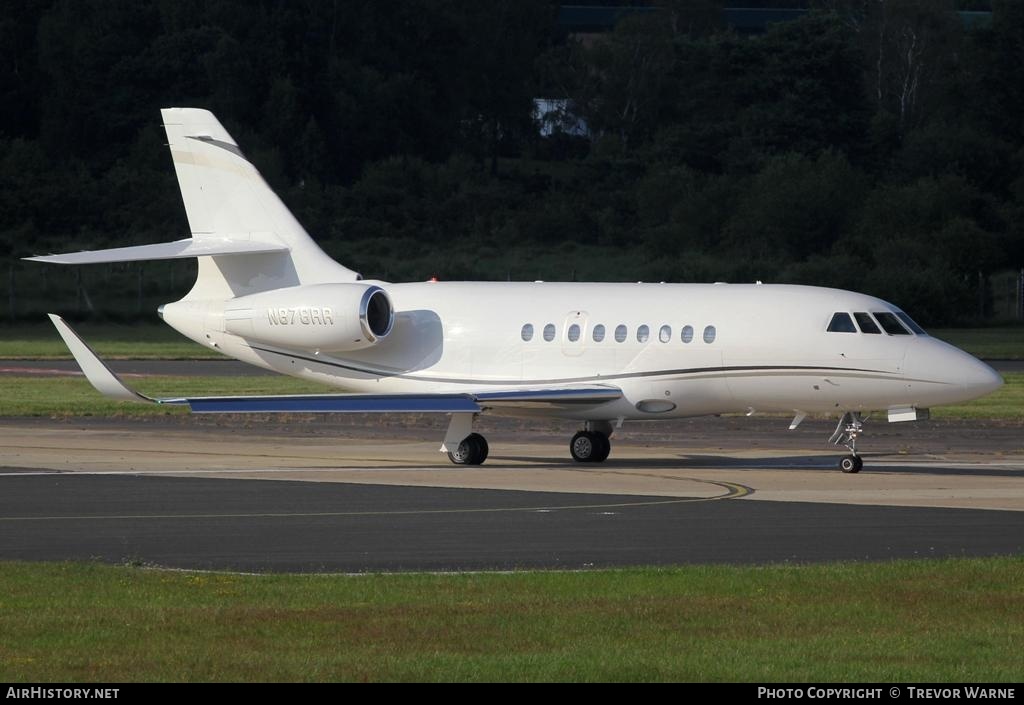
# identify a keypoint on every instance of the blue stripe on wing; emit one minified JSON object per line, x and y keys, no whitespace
{"x":397,"y":403}
{"x":572,"y":395}
{"x":335,"y":403}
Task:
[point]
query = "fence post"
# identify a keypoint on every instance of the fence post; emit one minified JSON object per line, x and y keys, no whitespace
{"x":981,"y":297}
{"x":1020,"y":295}
{"x":10,"y":291}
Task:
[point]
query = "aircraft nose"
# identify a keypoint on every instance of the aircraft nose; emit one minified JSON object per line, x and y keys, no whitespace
{"x":948,"y":375}
{"x":978,"y":378}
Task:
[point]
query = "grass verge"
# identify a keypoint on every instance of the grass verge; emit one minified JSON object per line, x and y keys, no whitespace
{"x":143,"y":341}
{"x":74,"y":396}
{"x":1002,"y":343}
{"x":931,"y":621}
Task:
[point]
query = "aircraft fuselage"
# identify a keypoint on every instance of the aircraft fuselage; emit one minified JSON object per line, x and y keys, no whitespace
{"x":673,"y":349}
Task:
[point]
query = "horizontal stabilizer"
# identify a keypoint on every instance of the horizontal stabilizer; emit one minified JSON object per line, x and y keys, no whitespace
{"x":109,"y":384}
{"x":166,"y":250}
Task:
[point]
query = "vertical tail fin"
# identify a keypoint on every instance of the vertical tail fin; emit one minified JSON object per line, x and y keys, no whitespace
{"x":225,"y":197}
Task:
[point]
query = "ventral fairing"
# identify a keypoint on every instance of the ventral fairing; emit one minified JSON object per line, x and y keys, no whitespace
{"x":600,"y":354}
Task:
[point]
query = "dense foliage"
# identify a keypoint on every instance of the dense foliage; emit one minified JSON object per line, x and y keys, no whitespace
{"x":871,"y":144}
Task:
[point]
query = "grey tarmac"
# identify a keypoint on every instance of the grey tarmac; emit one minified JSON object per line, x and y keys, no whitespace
{"x":275,"y":526}
{"x":355,"y":494}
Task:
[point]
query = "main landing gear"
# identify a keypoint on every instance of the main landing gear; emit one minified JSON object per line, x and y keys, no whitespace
{"x":590,"y":447}
{"x":846,"y":433}
{"x":471,"y":451}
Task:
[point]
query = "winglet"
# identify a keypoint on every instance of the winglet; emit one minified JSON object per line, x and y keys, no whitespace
{"x":98,"y":374}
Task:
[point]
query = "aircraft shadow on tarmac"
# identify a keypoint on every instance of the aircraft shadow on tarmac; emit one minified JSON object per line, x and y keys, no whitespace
{"x":795,"y":463}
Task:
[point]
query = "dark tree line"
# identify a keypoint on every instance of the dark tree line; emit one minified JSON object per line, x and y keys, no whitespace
{"x":876,"y":145}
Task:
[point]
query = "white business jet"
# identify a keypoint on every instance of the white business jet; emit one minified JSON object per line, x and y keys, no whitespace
{"x":600,"y":354}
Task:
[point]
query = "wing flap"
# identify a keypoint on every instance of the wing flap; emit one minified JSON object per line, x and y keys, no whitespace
{"x":179,"y":249}
{"x":333,"y":404}
{"x":533,"y":398}
{"x":400,"y":403}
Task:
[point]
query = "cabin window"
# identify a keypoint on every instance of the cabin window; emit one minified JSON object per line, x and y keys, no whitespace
{"x":598,"y":333}
{"x":573,"y":333}
{"x":910,"y":323}
{"x":841,"y":323}
{"x":620,"y":333}
{"x":686,"y":335}
{"x":549,"y":332}
{"x":890,"y":323}
{"x":665,"y":334}
{"x":866,"y":323}
{"x":709,"y":334}
{"x":527,"y":332}
{"x":642,"y":334}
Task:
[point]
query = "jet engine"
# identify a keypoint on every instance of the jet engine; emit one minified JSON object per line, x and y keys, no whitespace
{"x":328,"y":317}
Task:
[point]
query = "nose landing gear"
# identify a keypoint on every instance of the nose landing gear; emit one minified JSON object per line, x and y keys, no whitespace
{"x":846,"y":433}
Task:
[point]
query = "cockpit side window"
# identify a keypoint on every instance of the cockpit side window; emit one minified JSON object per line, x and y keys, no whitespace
{"x":866,"y":323}
{"x":890,"y":323}
{"x":910,"y":323}
{"x":841,"y":323}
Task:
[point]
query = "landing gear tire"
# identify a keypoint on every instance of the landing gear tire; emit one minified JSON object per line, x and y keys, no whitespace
{"x":851,"y":464}
{"x":471,"y":451}
{"x":589,"y":447}
{"x":605,"y":447}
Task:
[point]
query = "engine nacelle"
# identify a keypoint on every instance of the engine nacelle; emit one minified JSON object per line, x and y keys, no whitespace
{"x":328,"y":317}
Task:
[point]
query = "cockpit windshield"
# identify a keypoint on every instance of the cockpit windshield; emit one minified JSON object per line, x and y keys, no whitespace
{"x":866,"y":323}
{"x":890,"y":323}
{"x":910,"y":323}
{"x":841,"y":323}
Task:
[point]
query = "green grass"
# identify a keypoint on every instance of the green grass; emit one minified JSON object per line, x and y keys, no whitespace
{"x":950,"y":620}
{"x":1003,"y":343}
{"x":74,"y":396}
{"x":140,"y":341}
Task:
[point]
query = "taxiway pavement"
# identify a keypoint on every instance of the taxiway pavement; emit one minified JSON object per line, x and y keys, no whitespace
{"x":353,"y":494}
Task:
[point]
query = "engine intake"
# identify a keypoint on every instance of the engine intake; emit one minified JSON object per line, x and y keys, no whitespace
{"x":376,"y":315}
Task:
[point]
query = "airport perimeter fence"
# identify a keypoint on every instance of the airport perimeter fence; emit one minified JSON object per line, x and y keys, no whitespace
{"x":129,"y":291}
